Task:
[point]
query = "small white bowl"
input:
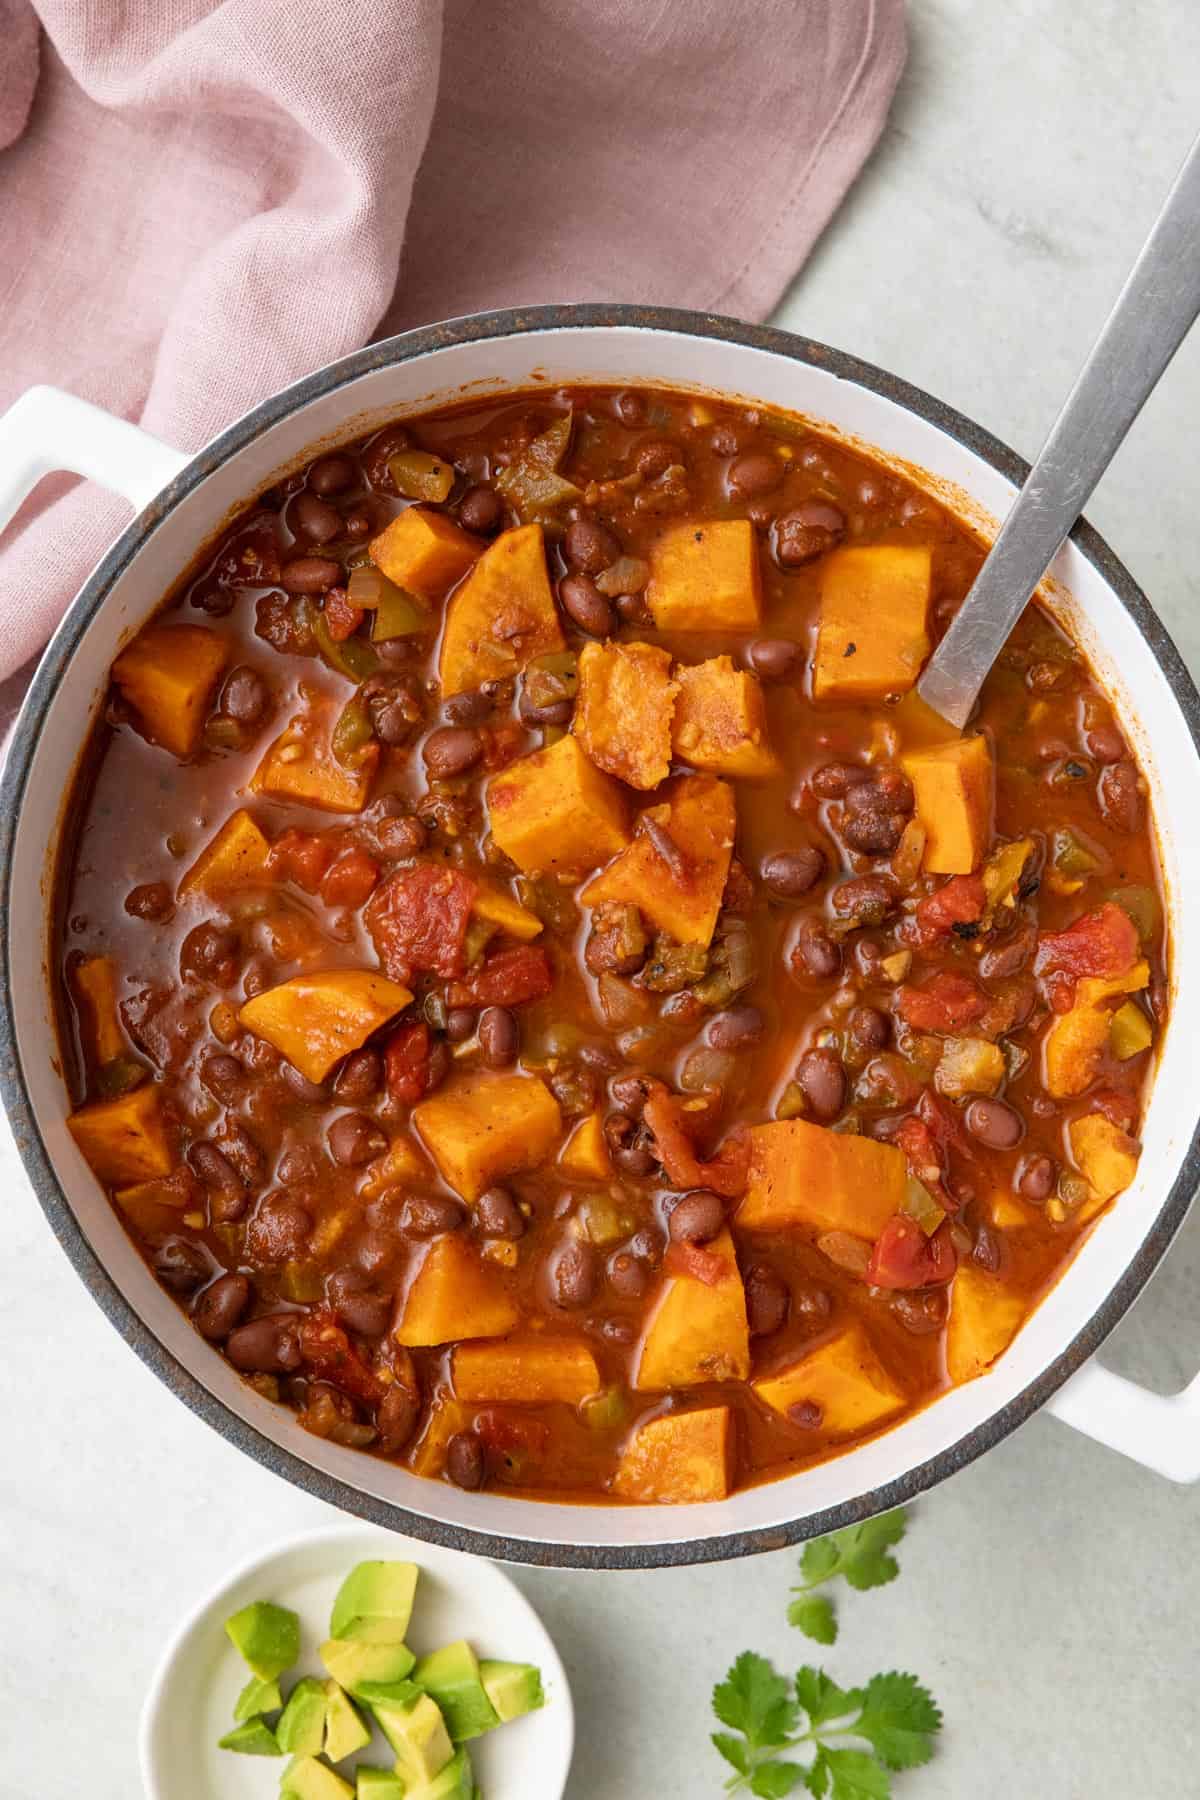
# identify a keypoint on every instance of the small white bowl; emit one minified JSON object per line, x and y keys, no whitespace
{"x":191,"y":1698}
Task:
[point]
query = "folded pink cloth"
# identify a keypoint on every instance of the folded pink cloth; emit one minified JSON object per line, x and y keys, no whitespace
{"x":205,"y":199}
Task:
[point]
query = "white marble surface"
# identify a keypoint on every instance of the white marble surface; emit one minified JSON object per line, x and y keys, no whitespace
{"x":1049,"y":1593}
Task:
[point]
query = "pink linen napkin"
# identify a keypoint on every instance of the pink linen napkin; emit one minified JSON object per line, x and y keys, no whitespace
{"x":205,"y":199}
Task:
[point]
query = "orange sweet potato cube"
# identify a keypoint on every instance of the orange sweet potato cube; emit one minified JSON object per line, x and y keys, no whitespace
{"x":503,"y":910}
{"x":697,"y":1329}
{"x":300,"y":766}
{"x":502,"y":616}
{"x":124,"y":1140}
{"x":984,"y":1319}
{"x":871,"y":637}
{"x":681,"y":892}
{"x":155,"y":1205}
{"x":167,"y":675}
{"x":236,"y":856}
{"x":953,"y":784}
{"x":721,"y":721}
{"x":678,"y":1458}
{"x":454,"y":1295}
{"x":555,"y":811}
{"x":446,"y":1419}
{"x":424,"y":552}
{"x":1073,"y":1043}
{"x":534,"y":1370}
{"x":485,"y":1126}
{"x":1105,"y":1156}
{"x":623,"y":713}
{"x":585,"y":1153}
{"x":315,"y":1020}
{"x":705,"y":577}
{"x":802,"y":1174}
{"x":95,"y":983}
{"x":843,"y":1376}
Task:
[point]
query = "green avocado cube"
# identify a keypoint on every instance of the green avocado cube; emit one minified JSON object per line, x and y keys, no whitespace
{"x":306,"y":1778}
{"x":375,"y":1602}
{"x":257,"y":1697}
{"x":344,"y":1729}
{"x":378,"y":1784}
{"x":417,"y":1733}
{"x":387,"y":1693}
{"x":513,"y":1688}
{"x":352,"y":1663}
{"x":268,"y":1637}
{"x":455,"y":1782}
{"x":254,"y":1738}
{"x":301,"y":1725}
{"x":451,"y":1677}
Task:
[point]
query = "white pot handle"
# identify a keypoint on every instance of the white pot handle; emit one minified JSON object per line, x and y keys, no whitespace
{"x":1160,"y":1431}
{"x":47,"y":430}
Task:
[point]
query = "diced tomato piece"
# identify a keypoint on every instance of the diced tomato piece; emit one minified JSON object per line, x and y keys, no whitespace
{"x":342,"y":619}
{"x":697,"y":1263}
{"x":903,"y":1257}
{"x":328,"y":1351}
{"x":418,"y":920}
{"x":942,"y":1121}
{"x":509,"y":978}
{"x":406,"y":1063}
{"x":926,"y":1159}
{"x":512,"y":1431}
{"x":1104,"y":942}
{"x":960,"y":901}
{"x":502,"y":744}
{"x":946,"y":1002}
{"x":302,"y":857}
{"x":1120,"y":1109}
{"x":350,"y":879}
{"x":726,"y":1173}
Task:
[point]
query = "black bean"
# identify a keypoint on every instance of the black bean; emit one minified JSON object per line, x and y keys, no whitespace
{"x":242,"y":1151}
{"x":221,"y":1306}
{"x":464,"y":1460}
{"x":585,"y":605}
{"x":396,"y":1418}
{"x":1120,"y":797}
{"x":921,"y":1314}
{"x":869,"y":1027}
{"x":331,"y":475}
{"x":153,"y":901}
{"x":697,"y":1217}
{"x":359,"y":1078}
{"x":498,"y":1215}
{"x":299,"y":1163}
{"x":354,"y":1139}
{"x":357,"y":524}
{"x":768,"y":1299}
{"x":815,"y":952}
{"x":590,"y":546}
{"x":822,"y":1080}
{"x":753,"y":473}
{"x":209,"y":953}
{"x":629,"y":1145}
{"x":867,"y":899}
{"x":245,"y":696}
{"x":313,"y":519}
{"x":627,"y":1276}
{"x":988,"y":1249}
{"x":214,"y":1169}
{"x":737,"y":1028}
{"x":791,"y":873}
{"x":471,"y":708}
{"x":807,"y":531}
{"x":429,"y":1215}
{"x":499,"y":1037}
{"x":812,"y":1304}
{"x":279,"y":1230}
{"x":630,"y":408}
{"x":300,"y":1085}
{"x":310,"y":574}
{"x":833,"y":781}
{"x":266,"y":1346}
{"x":774,"y":659}
{"x":573,"y":1274}
{"x":460,"y":1023}
{"x":1105,"y":743}
{"x":656,"y":457}
{"x":481,"y":510}
{"x":630,"y":1093}
{"x":1036,"y":1178}
{"x":994,"y":1123}
{"x":360,"y":1307}
{"x":451,"y":750}
{"x":181,"y":1265}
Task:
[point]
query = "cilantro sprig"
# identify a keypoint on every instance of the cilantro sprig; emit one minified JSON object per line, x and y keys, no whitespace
{"x":859,"y":1553}
{"x":848,"y":1740}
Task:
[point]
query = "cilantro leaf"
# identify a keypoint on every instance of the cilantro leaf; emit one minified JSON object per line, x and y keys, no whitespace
{"x":898,"y":1720}
{"x":853,"y":1775}
{"x":756,"y":1701}
{"x":814,"y":1615}
{"x":823,"y":1700}
{"x":733,"y":1750}
{"x":774,"y":1779}
{"x":859,"y":1553}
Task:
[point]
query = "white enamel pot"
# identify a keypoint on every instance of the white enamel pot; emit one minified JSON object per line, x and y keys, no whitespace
{"x":181,"y":502}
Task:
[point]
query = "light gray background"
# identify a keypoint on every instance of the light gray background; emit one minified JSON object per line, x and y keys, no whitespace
{"x":1049,"y":1594}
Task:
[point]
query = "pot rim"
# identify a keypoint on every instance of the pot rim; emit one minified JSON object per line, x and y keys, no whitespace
{"x":405,"y":347}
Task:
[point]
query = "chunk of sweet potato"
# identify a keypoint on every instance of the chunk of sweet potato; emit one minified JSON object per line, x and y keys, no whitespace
{"x":154,"y":1207}
{"x":697,"y":1329}
{"x":486,"y":1126}
{"x":705,"y":577}
{"x":124,"y":1140}
{"x":454,"y":1295}
{"x":506,"y":913}
{"x":984,"y":1319}
{"x":556,"y":811}
{"x":533,"y":1370}
{"x":721,"y":721}
{"x":953,"y":784}
{"x":447,"y":1417}
{"x":502,"y":616}
{"x":401,"y":1164}
{"x":167,"y":675}
{"x":95,"y":983}
{"x":236,"y":856}
{"x":843,"y":1376}
{"x":424,"y":552}
{"x":678,"y":1458}
{"x":871,"y":637}
{"x":1105,"y":1156}
{"x":315,"y":1020}
{"x":802,"y":1174}
{"x":681,"y":891}
{"x":623,"y":713}
{"x":300,"y":766}
{"x":1072,"y":1046}
{"x":585,"y":1153}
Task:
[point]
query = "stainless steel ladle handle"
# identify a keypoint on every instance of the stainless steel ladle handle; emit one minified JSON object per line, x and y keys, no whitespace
{"x":1153,"y":314}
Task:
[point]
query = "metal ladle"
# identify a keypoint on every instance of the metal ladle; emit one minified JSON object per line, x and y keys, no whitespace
{"x":1153,"y":314}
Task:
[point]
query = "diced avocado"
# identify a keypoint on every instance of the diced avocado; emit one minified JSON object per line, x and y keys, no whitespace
{"x":351,"y":1663}
{"x":455,"y":1782}
{"x":307,"y":1778}
{"x":378,"y":1784}
{"x":387,"y":1693}
{"x":344,"y":1729}
{"x":513,"y":1688}
{"x":268,"y":1637}
{"x":254,"y":1738}
{"x":451,"y":1676}
{"x":301,"y":1727}
{"x":417,"y":1733}
{"x":257,"y":1697}
{"x":375,"y":1602}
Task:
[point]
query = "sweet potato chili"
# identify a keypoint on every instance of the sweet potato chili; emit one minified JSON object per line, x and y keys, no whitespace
{"x":544,"y":994}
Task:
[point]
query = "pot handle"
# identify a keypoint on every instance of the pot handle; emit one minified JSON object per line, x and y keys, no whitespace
{"x":1160,"y":1431}
{"x":47,"y":430}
